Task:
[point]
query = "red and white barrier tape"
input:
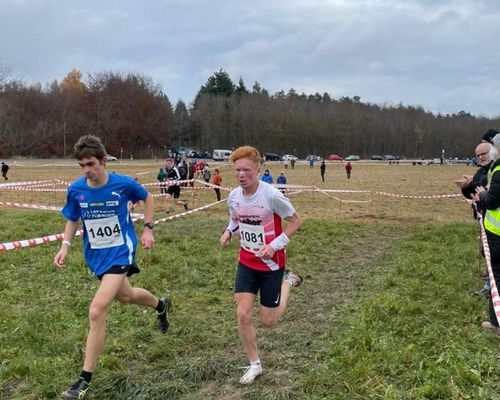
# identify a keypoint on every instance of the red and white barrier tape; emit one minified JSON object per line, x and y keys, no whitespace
{"x":487,"y":255}
{"x":404,"y":196}
{"x":52,"y":238}
{"x":35,"y":206}
{"x":32,"y":242}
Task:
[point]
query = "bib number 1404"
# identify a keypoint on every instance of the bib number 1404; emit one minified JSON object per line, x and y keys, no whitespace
{"x":104,"y":232}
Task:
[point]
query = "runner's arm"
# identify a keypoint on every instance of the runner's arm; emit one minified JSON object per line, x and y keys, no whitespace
{"x":69,"y":233}
{"x":147,"y":238}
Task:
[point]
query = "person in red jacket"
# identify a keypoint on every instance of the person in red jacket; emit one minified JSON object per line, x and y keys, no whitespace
{"x":348,"y":169}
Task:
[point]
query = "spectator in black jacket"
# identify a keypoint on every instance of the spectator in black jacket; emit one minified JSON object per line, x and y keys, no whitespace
{"x":469,"y":183}
{"x":489,"y":201}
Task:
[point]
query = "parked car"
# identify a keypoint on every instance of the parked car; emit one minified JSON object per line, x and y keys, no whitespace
{"x":288,"y":157}
{"x":352,"y":157}
{"x":378,"y":158}
{"x":110,"y":158}
{"x":313,"y":157}
{"x":334,"y":157}
{"x":221,"y":155}
{"x":389,"y":157}
{"x":192,"y":154}
{"x":204,"y":154}
{"x":272,"y":157}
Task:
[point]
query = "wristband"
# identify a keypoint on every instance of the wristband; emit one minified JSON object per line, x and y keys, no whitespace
{"x":66,"y":242}
{"x":280,"y":242}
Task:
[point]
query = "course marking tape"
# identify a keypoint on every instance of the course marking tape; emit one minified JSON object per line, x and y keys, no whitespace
{"x":34,"y":206}
{"x":487,"y":255}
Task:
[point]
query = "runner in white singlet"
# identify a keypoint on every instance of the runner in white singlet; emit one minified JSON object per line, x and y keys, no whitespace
{"x":256,"y":212}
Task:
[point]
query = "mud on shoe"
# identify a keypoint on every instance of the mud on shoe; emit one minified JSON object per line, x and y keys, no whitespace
{"x":162,"y":316}
{"x":252,"y":372}
{"x":77,"y":391}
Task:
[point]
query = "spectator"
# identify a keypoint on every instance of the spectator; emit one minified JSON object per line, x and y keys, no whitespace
{"x":281,"y":181}
{"x":348,"y":169}
{"x":217,"y":180}
{"x":267,"y":177}
{"x":162,"y":177}
{"x":322,"y":169}
{"x":207,"y":174}
{"x":292,"y":163}
{"x":5,"y":169}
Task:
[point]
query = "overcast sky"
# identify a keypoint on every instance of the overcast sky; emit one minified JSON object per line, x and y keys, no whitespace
{"x":443,"y":55}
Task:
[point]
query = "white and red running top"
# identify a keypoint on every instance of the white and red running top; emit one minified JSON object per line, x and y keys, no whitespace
{"x":259,"y":220}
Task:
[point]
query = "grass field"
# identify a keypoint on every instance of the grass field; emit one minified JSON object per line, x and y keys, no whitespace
{"x":387,"y":311}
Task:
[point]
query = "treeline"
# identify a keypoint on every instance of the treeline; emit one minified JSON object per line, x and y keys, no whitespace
{"x":135,"y":117}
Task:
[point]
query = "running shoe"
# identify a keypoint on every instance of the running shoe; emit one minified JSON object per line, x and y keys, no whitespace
{"x":163,"y":316}
{"x":295,"y":280}
{"x":77,"y":391}
{"x":252,"y":372}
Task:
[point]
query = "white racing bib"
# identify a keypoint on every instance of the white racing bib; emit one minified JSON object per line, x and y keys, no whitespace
{"x":104,"y":232}
{"x":252,"y":237}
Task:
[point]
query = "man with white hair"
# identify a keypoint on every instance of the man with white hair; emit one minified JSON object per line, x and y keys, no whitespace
{"x":489,"y":201}
{"x":469,"y":183}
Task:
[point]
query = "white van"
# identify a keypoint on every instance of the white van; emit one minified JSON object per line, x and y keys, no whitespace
{"x":221,"y":155}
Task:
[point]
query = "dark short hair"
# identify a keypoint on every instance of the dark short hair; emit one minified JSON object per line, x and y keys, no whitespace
{"x":89,"y":146}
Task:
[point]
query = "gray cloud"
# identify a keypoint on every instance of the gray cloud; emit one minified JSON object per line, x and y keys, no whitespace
{"x":439,"y":55}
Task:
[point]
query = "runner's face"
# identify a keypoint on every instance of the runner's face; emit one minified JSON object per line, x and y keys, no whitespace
{"x":246,"y":172}
{"x":93,"y":168}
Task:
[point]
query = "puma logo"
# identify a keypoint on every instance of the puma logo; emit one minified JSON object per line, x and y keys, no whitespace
{"x":116,"y":194}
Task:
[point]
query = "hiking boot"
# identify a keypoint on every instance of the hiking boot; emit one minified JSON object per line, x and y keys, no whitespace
{"x":163,"y":316}
{"x":77,"y":391}
{"x":295,"y":280}
{"x":252,"y":372}
{"x":488,"y":326}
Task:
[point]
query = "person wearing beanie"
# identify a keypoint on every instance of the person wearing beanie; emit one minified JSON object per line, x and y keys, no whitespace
{"x":489,"y":135}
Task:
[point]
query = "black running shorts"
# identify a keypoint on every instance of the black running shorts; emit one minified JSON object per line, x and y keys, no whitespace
{"x":121,"y":269}
{"x":250,"y":280}
{"x":174,"y":191}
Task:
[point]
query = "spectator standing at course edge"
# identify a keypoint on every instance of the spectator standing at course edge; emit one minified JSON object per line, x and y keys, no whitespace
{"x":217,"y":180}
{"x":162,"y":177}
{"x":282,"y":181}
{"x":207,"y":174}
{"x":5,"y":169}
{"x":322,"y":169}
{"x":173,"y":189}
{"x":101,"y":199}
{"x":488,"y":201}
{"x":468,"y":184}
{"x":348,"y":169}
{"x":256,"y":210}
{"x":267,"y":177}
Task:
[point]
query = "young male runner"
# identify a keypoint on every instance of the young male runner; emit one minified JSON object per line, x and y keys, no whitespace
{"x":101,"y":200}
{"x":256,"y":210}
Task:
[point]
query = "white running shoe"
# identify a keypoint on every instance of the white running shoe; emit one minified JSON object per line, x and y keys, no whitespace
{"x":252,"y":372}
{"x":295,"y":280}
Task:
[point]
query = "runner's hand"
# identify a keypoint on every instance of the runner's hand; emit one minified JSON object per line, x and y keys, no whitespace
{"x":60,"y":257}
{"x":266,"y":253}
{"x":225,"y":238}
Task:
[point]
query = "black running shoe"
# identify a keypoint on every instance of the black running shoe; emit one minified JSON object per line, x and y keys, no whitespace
{"x":77,"y":391}
{"x":163,"y":316}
